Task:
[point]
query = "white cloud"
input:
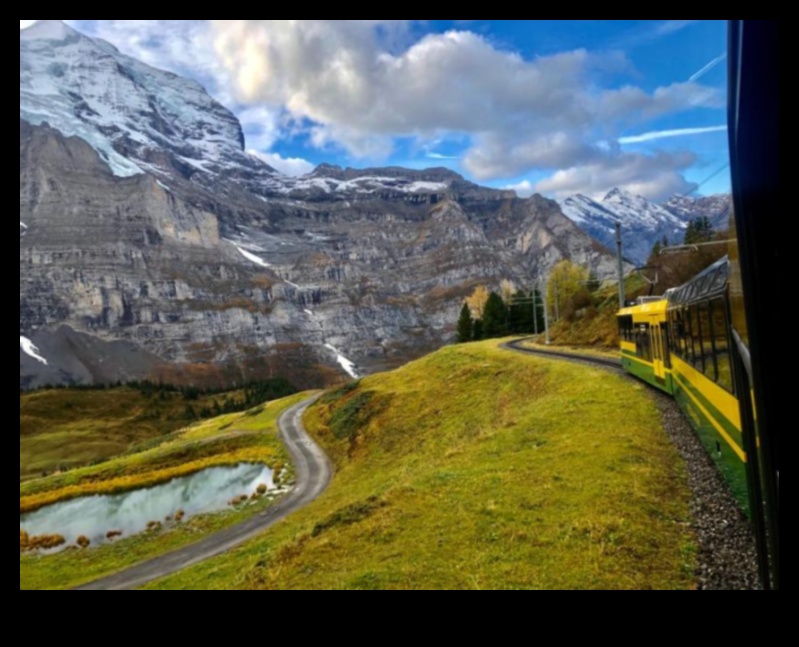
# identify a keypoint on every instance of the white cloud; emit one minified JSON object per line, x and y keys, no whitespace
{"x":359,"y":90}
{"x":294,"y":166}
{"x":358,"y":85}
{"x":524,"y":189}
{"x":439,"y":156}
{"x":656,"y":177}
{"x":665,"y":134}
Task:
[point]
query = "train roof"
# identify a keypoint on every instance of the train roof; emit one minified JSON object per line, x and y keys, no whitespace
{"x":655,"y":307}
{"x":709,"y":284}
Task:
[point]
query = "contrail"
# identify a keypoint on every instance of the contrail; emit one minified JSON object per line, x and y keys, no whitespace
{"x":719,"y":59}
{"x":665,"y":134}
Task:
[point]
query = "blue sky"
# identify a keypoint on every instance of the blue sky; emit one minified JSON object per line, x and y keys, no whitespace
{"x":557,"y":107}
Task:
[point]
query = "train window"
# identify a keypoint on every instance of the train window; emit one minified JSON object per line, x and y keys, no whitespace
{"x":666,"y":337}
{"x":696,"y":339}
{"x":721,"y":343}
{"x":708,"y":355}
{"x":643,"y":342}
{"x":678,"y":332}
{"x":626,"y":328}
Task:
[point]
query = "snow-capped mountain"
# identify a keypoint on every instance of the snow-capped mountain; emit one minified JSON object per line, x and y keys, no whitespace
{"x":137,"y":117}
{"x":144,"y":120}
{"x":644,"y":223}
{"x":152,"y":245}
{"x":717,"y":208}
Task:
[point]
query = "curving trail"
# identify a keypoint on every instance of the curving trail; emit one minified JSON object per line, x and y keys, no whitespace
{"x":313,"y":477}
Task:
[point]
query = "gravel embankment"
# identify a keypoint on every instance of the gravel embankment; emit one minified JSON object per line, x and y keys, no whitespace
{"x":727,"y":558}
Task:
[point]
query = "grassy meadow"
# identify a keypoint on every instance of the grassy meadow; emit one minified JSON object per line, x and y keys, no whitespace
{"x":476,"y":468}
{"x":66,"y":428}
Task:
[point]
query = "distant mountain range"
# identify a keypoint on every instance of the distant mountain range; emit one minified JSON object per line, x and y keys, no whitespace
{"x":152,"y":245}
{"x":644,"y":223}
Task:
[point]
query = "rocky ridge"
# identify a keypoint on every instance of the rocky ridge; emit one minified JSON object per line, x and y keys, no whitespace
{"x":152,"y":245}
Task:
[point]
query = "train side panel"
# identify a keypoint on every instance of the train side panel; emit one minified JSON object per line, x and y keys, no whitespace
{"x":715,"y":416}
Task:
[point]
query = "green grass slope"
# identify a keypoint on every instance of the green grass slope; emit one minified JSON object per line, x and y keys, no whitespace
{"x":475,"y":468}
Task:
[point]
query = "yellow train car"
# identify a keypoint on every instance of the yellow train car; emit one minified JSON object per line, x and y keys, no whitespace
{"x":703,"y":370}
{"x":644,"y":333}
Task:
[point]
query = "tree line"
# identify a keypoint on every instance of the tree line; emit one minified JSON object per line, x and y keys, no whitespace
{"x":491,"y":315}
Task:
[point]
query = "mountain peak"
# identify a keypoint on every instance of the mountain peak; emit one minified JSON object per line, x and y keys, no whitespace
{"x":621,"y":194}
{"x":327,"y":170}
{"x":47,"y":30}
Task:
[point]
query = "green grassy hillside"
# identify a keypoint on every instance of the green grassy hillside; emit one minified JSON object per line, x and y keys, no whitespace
{"x":475,"y":468}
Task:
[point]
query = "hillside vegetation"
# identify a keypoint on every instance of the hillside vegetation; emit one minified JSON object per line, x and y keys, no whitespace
{"x":249,"y":437}
{"x":61,"y":429}
{"x":475,"y":468}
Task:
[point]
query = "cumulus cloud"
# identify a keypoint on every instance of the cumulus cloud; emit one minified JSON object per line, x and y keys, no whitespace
{"x":360,"y":86}
{"x":656,"y":177}
{"x":524,"y":189}
{"x":294,"y":166}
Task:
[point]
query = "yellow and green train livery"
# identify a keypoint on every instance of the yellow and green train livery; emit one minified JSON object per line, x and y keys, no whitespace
{"x":681,"y":344}
{"x":645,"y":342}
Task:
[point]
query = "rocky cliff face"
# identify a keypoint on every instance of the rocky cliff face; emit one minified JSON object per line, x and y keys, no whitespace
{"x":152,"y":245}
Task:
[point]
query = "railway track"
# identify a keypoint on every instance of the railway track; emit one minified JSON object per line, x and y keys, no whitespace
{"x":517,"y":347}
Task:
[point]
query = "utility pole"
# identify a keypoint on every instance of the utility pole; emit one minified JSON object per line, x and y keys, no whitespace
{"x":620,"y":253}
{"x":535,"y":309}
{"x":546,"y":313}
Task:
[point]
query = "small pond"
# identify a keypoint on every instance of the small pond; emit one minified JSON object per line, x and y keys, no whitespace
{"x":130,"y":513}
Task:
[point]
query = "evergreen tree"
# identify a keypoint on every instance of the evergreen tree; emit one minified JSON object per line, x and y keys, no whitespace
{"x":478,"y":330}
{"x":593,"y":283}
{"x":699,"y":231}
{"x":690,"y":234}
{"x":521,"y":313}
{"x":495,"y":317}
{"x":465,"y":325}
{"x":539,"y":311}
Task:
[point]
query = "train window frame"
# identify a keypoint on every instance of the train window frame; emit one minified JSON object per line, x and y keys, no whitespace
{"x":626,"y":328}
{"x":643,"y":342}
{"x":689,"y":337}
{"x":723,"y":303}
{"x":708,"y":342}
{"x":696,"y":336}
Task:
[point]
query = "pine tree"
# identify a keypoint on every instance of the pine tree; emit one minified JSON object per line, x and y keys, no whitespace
{"x":538,"y":298}
{"x":478,"y":330}
{"x":495,"y":317}
{"x":465,"y":325}
{"x":699,"y":231}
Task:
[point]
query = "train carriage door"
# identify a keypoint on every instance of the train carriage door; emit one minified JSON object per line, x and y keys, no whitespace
{"x":658,"y":352}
